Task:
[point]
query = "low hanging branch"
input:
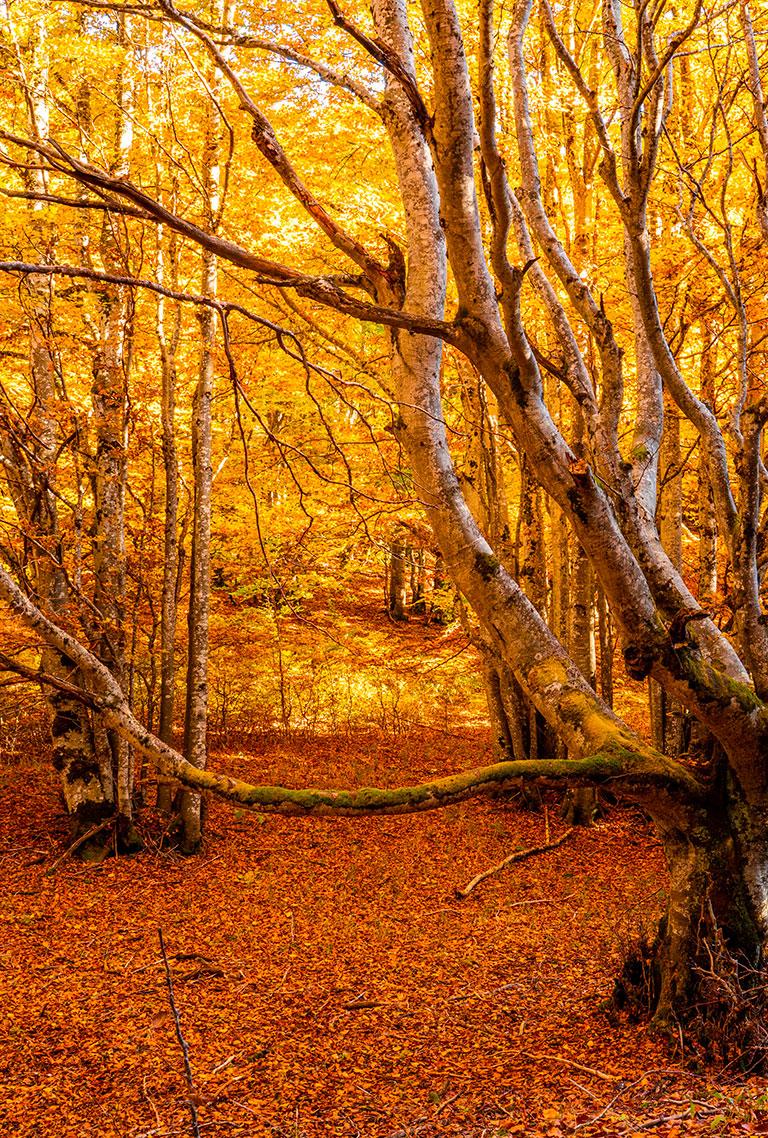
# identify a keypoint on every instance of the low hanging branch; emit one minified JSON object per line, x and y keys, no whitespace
{"x":325,"y":290}
{"x":641,"y":774}
{"x":519,"y":855}
{"x":329,"y":291}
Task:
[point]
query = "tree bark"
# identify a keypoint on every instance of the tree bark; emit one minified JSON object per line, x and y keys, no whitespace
{"x":168,"y":602}
{"x":398,"y":593}
{"x":195,"y":726}
{"x":32,"y":449}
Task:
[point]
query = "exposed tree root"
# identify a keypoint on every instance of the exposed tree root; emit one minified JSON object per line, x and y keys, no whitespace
{"x":727,"y":1024}
{"x":725,"y":1018}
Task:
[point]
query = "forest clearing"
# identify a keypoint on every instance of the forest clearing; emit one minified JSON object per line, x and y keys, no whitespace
{"x":384,"y":567}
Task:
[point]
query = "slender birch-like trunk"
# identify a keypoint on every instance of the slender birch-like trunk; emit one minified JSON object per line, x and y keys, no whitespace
{"x":670,"y":513}
{"x":168,"y":601}
{"x":196,"y":719}
{"x":398,"y":598}
{"x":707,"y":569}
{"x":109,"y":396}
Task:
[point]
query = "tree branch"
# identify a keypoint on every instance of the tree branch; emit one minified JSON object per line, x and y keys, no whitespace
{"x":264,"y":136}
{"x":324,"y":290}
{"x":639,"y":775}
{"x":325,"y":72}
{"x":191,"y":1098}
{"x":518,"y":855}
{"x":384,"y":55}
{"x":106,"y":205}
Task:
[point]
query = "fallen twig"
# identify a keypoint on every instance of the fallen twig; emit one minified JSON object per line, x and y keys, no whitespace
{"x":520,"y":855}
{"x":623,"y":1088}
{"x":76,"y":846}
{"x":149,"y":1100}
{"x":199,"y":974}
{"x":226,"y":1063}
{"x":447,"y":1102}
{"x":182,"y":1041}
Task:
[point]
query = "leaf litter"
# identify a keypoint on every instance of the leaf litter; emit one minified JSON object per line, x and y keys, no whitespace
{"x":328,"y":981}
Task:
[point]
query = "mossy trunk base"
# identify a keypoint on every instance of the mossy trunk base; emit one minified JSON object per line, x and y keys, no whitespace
{"x":702,"y":980}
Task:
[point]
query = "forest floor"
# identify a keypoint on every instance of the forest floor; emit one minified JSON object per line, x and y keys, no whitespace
{"x":327,"y":979}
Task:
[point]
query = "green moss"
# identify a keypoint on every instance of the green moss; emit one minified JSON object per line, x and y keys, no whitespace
{"x":368,"y":796}
{"x":712,"y":685}
{"x":487,"y":565}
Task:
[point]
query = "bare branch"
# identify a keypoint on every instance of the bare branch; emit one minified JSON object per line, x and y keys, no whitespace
{"x":675,"y":42}
{"x":321,"y":289}
{"x":518,"y":855}
{"x":761,"y":119}
{"x":608,"y":169}
{"x":265,"y":138}
{"x":389,"y":60}
{"x":106,"y":205}
{"x":182,"y":1041}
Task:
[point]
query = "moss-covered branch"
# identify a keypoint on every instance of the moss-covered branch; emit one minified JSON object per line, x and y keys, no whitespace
{"x":598,"y":770}
{"x":632,"y":770}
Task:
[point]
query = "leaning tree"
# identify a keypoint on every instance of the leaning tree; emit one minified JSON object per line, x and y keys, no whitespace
{"x":659,"y":118}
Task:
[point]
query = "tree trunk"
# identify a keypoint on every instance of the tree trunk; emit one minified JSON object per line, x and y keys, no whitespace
{"x":195,"y":726}
{"x":701,"y":976}
{"x":605,"y":635}
{"x":667,"y":717}
{"x":111,"y":364}
{"x":441,"y":606}
{"x":418,"y":581}
{"x":580,"y":804}
{"x":531,"y":569}
{"x":501,"y":735}
{"x":168,"y":602}
{"x":707,"y":573}
{"x":87,"y":788}
{"x":398,"y":598}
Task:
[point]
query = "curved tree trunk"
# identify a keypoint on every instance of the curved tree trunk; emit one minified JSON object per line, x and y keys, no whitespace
{"x":32,"y":449}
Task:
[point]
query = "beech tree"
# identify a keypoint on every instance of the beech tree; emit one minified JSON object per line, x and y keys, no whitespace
{"x":483,"y":255}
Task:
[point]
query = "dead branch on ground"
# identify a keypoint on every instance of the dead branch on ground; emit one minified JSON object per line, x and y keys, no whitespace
{"x":519,"y":855}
